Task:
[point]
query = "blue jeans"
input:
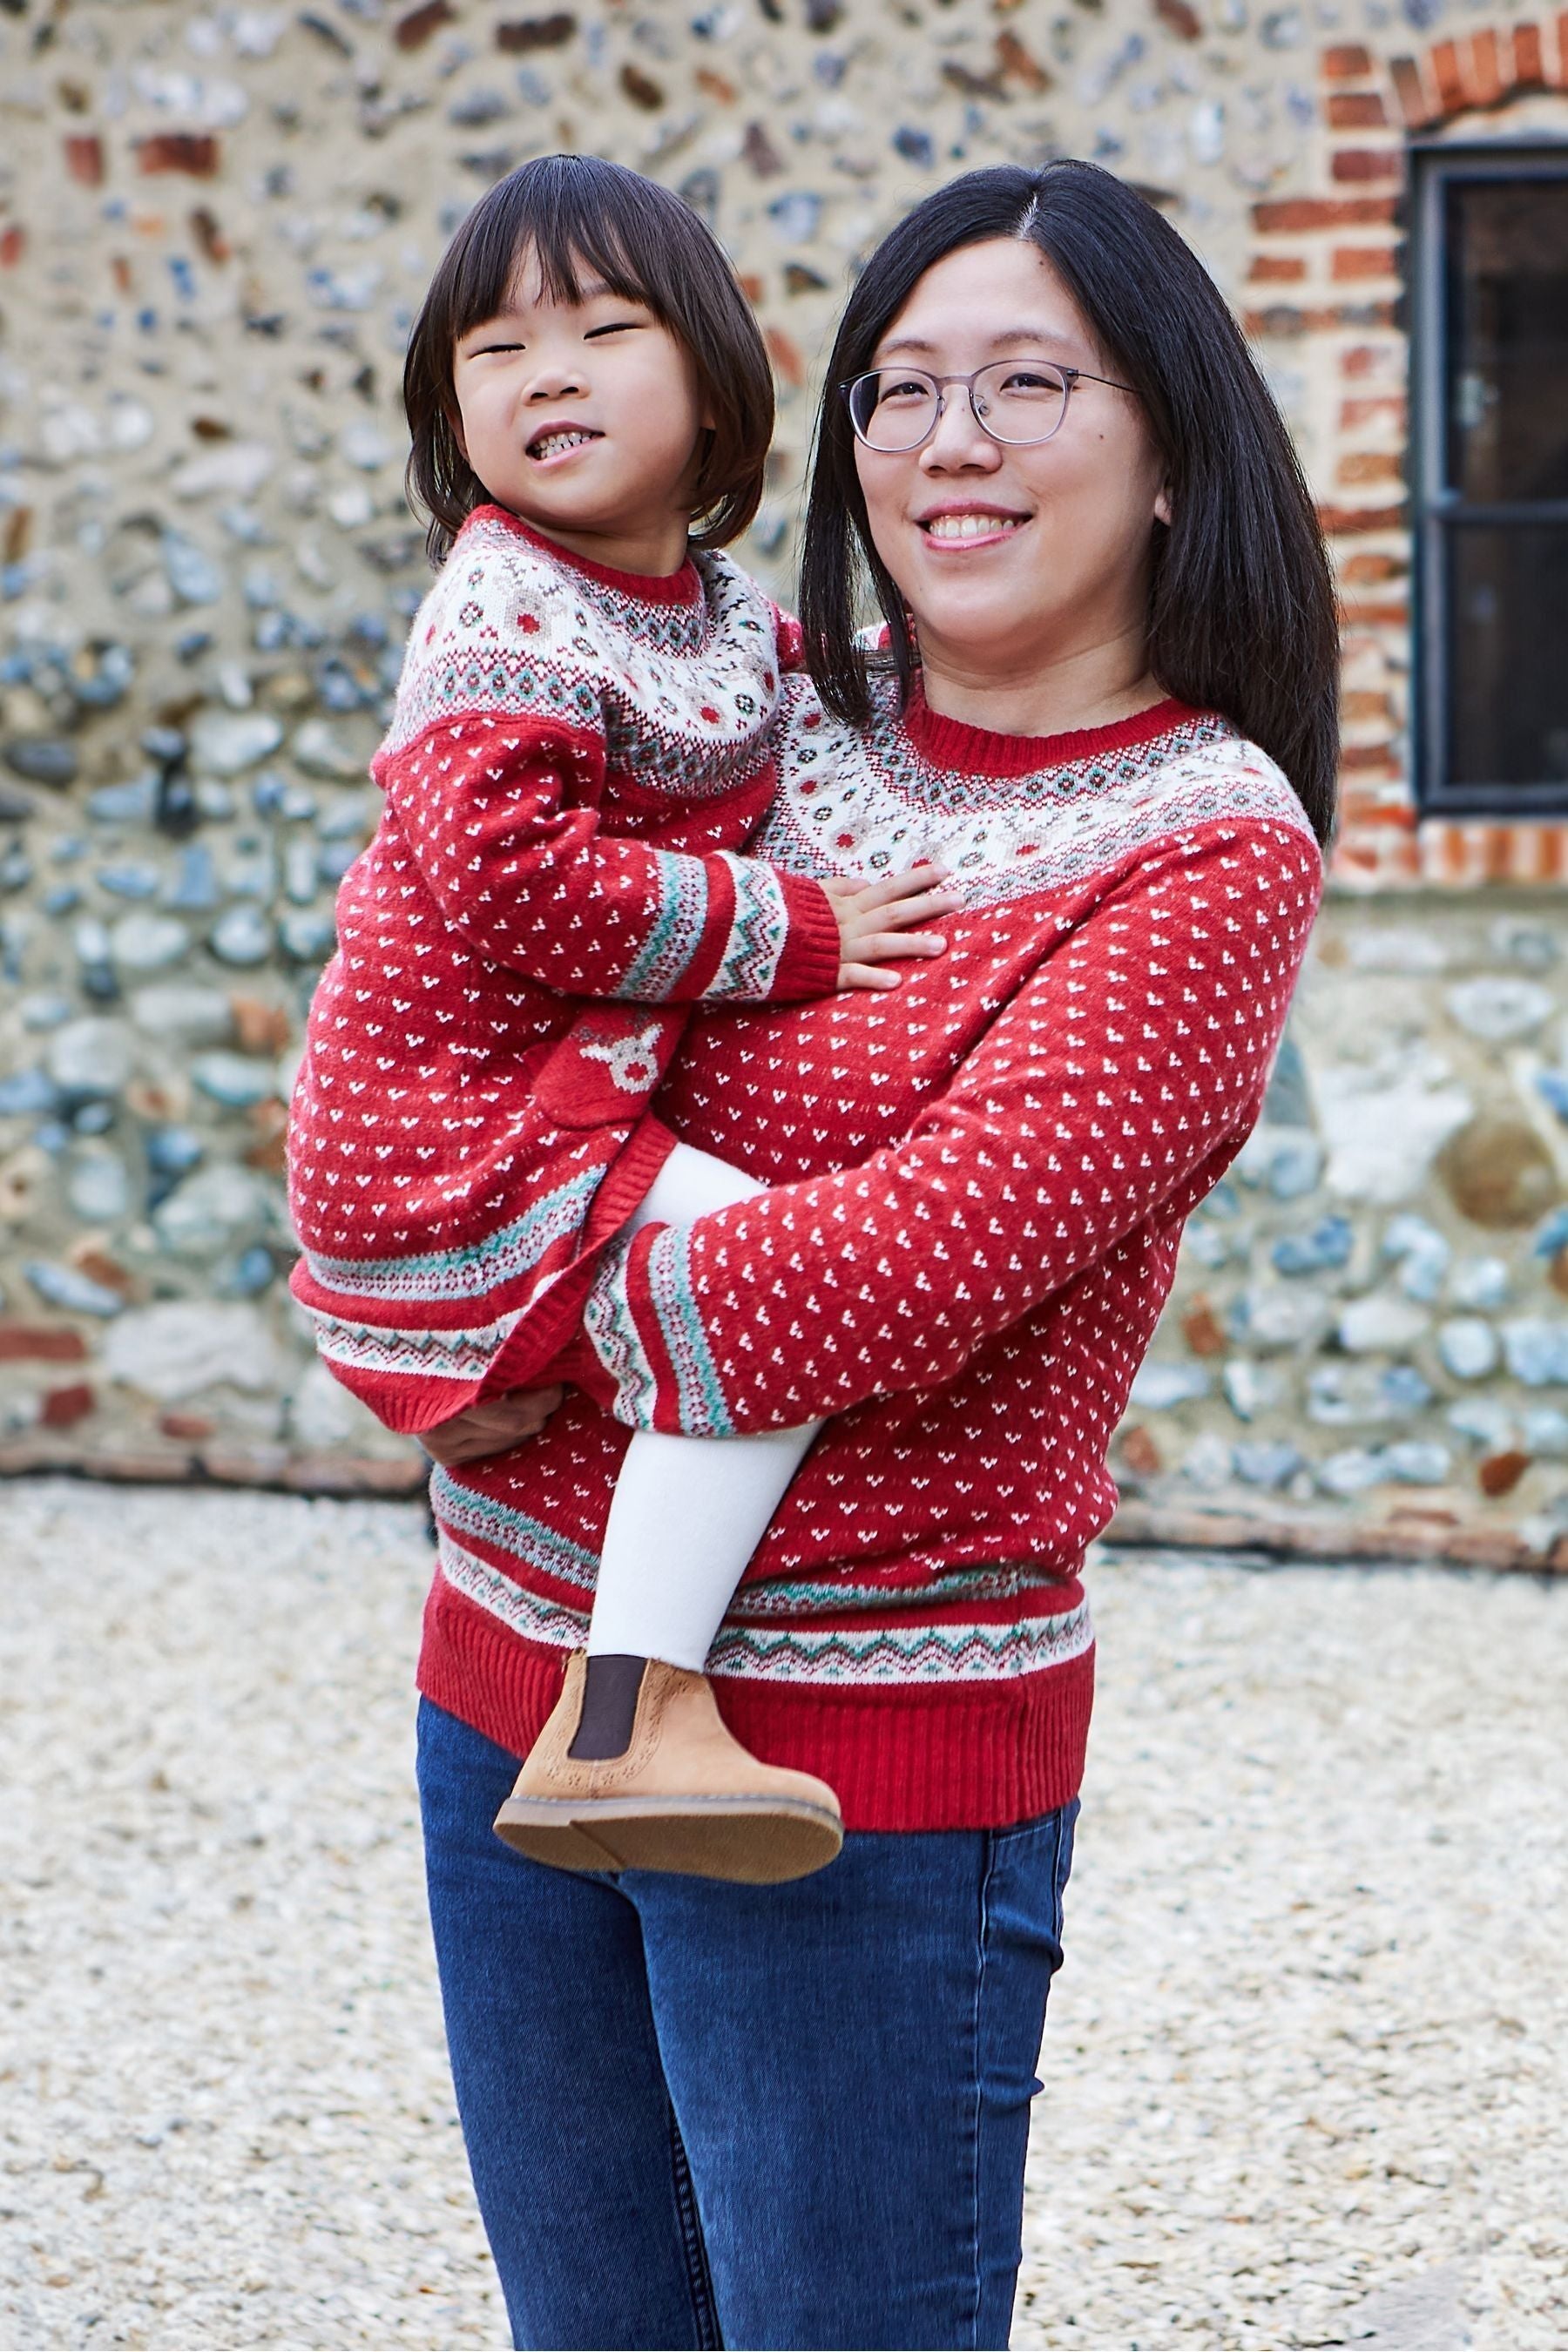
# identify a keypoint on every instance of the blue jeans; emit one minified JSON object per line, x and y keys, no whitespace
{"x":705,"y":2115}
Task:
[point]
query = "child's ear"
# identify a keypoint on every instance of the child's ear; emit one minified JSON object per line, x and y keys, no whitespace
{"x":455,"y":426}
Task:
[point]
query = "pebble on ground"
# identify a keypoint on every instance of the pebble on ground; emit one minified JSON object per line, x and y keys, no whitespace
{"x":1305,"y":2070}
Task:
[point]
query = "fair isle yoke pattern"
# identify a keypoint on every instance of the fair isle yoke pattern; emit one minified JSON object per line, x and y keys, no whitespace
{"x":978,"y":1184}
{"x":576,"y":764}
{"x":678,"y":692}
{"x":877,"y":803}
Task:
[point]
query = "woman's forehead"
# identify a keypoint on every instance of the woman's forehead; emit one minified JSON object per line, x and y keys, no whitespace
{"x":992,"y":298}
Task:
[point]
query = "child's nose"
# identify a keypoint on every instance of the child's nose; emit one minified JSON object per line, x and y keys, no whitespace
{"x":555,"y":380}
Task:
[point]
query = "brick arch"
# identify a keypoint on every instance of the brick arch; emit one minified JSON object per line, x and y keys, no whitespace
{"x":1326,"y":310}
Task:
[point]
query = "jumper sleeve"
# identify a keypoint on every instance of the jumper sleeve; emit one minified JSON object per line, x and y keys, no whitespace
{"x":499,"y":817}
{"x":1119,"y":1080}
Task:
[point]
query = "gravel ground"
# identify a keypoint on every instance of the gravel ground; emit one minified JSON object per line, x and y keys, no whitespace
{"x":1305,"y":2072}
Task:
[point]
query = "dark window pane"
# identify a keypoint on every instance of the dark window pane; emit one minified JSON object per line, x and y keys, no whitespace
{"x":1508,"y":655}
{"x":1507,"y":255}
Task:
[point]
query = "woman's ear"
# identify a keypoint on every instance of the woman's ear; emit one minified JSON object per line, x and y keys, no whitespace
{"x":1162,"y":505}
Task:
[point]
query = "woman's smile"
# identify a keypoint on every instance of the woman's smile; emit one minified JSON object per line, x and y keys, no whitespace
{"x":961,"y":526}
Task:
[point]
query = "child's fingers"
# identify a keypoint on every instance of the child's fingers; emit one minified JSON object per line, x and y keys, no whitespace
{"x":914,"y":882}
{"x":929,"y":907}
{"x":865,"y":975}
{"x":882,"y":945}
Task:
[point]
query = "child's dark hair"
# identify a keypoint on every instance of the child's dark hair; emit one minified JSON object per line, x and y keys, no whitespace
{"x":1241,"y":606}
{"x":581,"y":218}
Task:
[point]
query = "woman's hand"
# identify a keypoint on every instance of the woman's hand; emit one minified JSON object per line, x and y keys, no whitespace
{"x":875,"y":921}
{"x":493,"y":1427}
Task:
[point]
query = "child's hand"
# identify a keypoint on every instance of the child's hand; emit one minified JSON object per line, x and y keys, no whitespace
{"x":493,"y":1427}
{"x":875,"y":921}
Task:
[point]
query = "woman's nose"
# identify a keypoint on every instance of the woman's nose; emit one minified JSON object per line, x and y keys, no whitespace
{"x":958,"y":438}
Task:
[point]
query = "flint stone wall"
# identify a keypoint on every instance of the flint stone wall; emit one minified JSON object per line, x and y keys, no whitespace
{"x":215,"y":226}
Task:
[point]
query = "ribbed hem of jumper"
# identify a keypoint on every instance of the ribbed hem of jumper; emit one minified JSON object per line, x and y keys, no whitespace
{"x":680,"y":587}
{"x":979,"y":751}
{"x":970,"y":1758}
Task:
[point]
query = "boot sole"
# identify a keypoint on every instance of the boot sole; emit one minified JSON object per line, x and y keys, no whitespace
{"x":698,"y":1837}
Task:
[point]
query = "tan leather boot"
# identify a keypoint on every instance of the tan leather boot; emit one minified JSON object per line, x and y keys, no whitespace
{"x":685,"y":1796}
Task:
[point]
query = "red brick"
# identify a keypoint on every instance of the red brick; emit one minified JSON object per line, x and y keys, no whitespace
{"x":1291,"y":213}
{"x":1484,"y":70}
{"x":195,"y":152}
{"x":1529,"y":72}
{"x":62,"y":1407}
{"x":1559,"y":79}
{"x":12,"y":243}
{"x":1283,"y":320}
{"x":1344,"y":522}
{"x":84,"y":158}
{"x":1371,"y":569}
{"x":1372,"y":409}
{"x":1348,"y":61}
{"x":1361,"y":702}
{"x":41,"y":1343}
{"x":1415,"y":101}
{"x":1202,"y":1328}
{"x":412,"y":32}
{"x":1355,"y":109}
{"x":1371,"y":465}
{"x":1354,"y":615}
{"x":1281,"y":267}
{"x":1352,"y":163}
{"x":1366,"y":261}
{"x":1446,"y":73}
{"x":1376,"y":759}
{"x":1367,"y":359}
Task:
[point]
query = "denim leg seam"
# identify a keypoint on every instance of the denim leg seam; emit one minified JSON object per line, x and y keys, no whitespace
{"x":977,"y":2110}
{"x":699,"y":2280}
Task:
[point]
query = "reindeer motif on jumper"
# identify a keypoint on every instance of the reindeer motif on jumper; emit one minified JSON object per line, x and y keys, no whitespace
{"x":603,"y":1071}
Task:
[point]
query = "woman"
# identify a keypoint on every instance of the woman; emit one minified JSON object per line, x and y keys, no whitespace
{"x":1105,"y":694}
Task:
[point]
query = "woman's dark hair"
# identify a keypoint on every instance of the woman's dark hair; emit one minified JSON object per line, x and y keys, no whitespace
{"x":1241,"y":608}
{"x":582,"y":219}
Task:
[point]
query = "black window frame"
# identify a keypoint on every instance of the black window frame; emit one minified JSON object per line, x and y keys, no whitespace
{"x":1434,"y":166}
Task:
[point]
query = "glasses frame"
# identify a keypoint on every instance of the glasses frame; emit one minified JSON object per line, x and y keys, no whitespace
{"x":1071,"y":377}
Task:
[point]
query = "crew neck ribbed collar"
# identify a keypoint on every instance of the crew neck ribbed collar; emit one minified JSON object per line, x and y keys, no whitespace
{"x":978,"y":751}
{"x":683,"y":587}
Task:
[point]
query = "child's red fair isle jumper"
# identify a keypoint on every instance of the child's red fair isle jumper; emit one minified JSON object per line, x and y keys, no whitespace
{"x":574,"y":758}
{"x":981,"y":1182}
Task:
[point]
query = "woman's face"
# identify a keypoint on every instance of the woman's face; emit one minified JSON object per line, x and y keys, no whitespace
{"x":1012,"y":556}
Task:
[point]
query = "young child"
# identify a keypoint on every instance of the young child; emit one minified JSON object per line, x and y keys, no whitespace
{"x":581,"y":746}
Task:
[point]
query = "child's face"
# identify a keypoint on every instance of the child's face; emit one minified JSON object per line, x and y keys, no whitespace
{"x":583,"y":418}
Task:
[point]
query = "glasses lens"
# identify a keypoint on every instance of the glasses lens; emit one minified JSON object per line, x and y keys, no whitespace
{"x":1020,"y":400}
{"x":892,"y":408}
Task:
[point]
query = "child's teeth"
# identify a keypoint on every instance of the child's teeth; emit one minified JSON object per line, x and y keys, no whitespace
{"x":558,"y":441}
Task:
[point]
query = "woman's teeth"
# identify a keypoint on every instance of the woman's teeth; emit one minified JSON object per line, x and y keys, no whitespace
{"x":553,"y":443}
{"x":970,"y":525}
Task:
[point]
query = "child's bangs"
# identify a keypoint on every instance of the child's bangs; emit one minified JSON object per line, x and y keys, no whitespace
{"x":573,"y":240}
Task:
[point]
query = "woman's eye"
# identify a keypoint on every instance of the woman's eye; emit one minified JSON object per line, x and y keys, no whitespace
{"x":1031,"y":380}
{"x":908,"y":388}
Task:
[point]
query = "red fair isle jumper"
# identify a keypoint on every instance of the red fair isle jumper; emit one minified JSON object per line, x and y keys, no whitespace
{"x":981,"y":1180}
{"x":574,"y":756}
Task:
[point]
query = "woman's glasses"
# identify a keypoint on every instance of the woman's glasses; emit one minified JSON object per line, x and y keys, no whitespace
{"x":1017,"y":402}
